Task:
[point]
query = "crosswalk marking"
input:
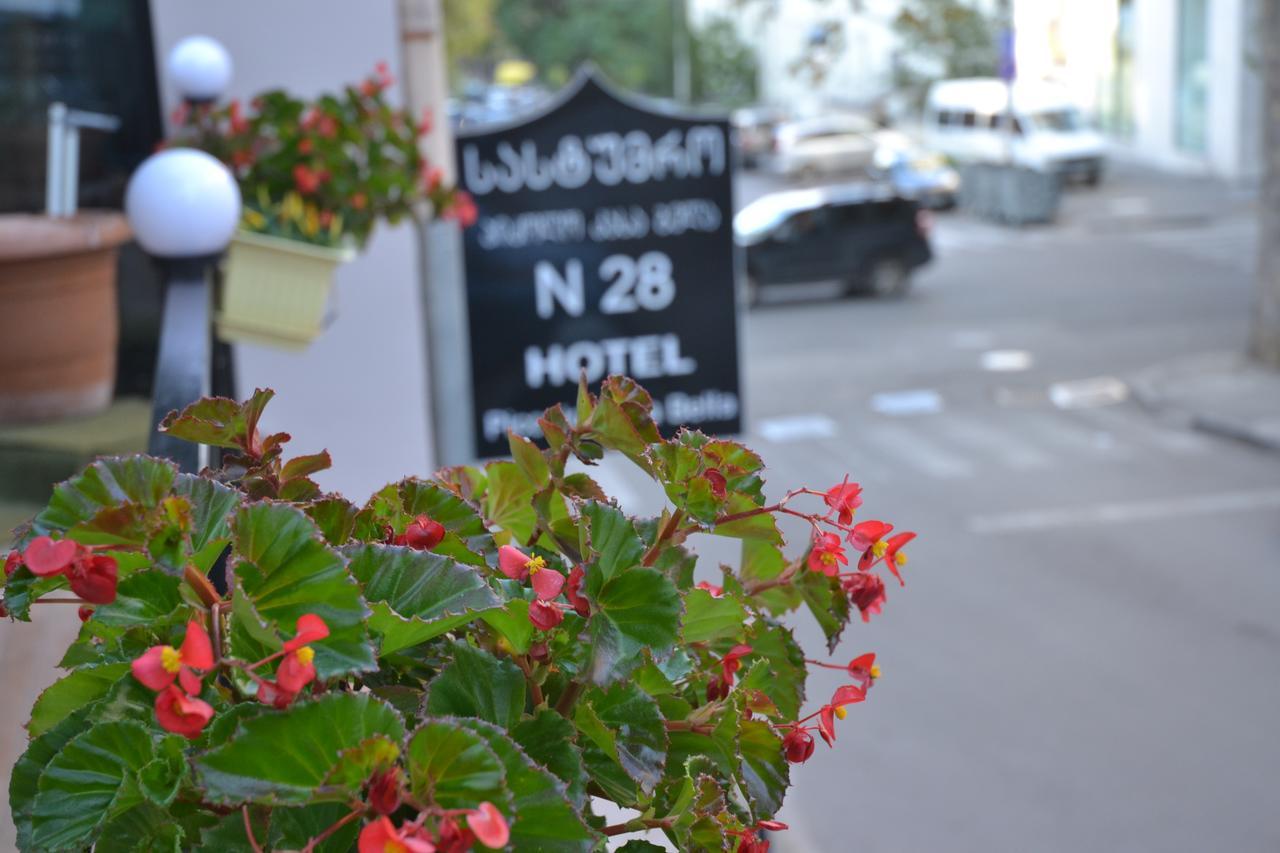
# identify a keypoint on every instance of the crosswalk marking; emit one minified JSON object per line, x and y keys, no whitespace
{"x":1125,"y":512}
{"x":913,"y":447}
{"x":1003,"y":444}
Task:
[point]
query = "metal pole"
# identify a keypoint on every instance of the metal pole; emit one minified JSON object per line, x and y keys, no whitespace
{"x":71,"y":171}
{"x":682,"y":64}
{"x":55,"y":162}
{"x":183,"y":360}
{"x":440,"y":244}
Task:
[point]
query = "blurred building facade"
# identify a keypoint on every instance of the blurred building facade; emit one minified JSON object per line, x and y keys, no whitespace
{"x":1174,"y":82}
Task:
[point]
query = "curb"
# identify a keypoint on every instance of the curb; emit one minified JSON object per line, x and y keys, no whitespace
{"x":1157,"y":404}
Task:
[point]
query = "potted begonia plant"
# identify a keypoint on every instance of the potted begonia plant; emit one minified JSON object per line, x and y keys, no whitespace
{"x":315,"y":178}
{"x":466,"y":662}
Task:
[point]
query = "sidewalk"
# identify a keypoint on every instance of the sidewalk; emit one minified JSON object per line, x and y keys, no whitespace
{"x":1218,"y":393}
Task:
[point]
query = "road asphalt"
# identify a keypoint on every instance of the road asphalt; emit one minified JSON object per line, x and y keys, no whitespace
{"x":1085,"y":655}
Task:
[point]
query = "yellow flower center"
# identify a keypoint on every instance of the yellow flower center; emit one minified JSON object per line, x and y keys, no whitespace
{"x":878,"y":548}
{"x":306,"y":655}
{"x":875,"y":671}
{"x":170,"y":660}
{"x":828,"y":558}
{"x":841,"y":713}
{"x":535,"y":565}
{"x":900,"y":558}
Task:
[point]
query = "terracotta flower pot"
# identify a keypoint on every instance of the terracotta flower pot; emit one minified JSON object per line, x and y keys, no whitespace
{"x":58,"y":323}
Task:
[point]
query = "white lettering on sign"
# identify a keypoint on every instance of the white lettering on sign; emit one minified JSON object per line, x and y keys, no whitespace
{"x":634,"y":284}
{"x":531,"y":229}
{"x":550,"y":287}
{"x":611,"y":158}
{"x":677,"y":407}
{"x":641,"y":357}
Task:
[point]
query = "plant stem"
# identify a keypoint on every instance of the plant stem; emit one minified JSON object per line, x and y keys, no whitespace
{"x":567,"y":699}
{"x":201,"y":585}
{"x":638,"y":824}
{"x":311,"y":845}
{"x":686,"y":726}
{"x":651,"y":556}
{"x":248,"y":830}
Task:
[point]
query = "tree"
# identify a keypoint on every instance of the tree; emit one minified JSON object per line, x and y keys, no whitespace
{"x":1264,"y":342}
{"x":944,"y":39}
{"x":469,"y":33}
{"x":631,"y":42}
{"x":725,"y":70}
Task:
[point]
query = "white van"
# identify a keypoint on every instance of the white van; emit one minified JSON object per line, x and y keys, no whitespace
{"x":965,"y":120}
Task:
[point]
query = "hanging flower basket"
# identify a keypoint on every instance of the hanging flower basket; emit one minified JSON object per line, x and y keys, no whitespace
{"x":276,"y":291}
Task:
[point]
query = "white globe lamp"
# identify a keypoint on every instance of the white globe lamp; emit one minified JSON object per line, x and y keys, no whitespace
{"x":200,"y":67}
{"x":182,"y":203}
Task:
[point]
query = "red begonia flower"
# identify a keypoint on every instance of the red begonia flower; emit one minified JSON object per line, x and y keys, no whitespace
{"x":547,"y":582}
{"x":545,"y":616}
{"x":717,"y":688}
{"x":866,"y":591}
{"x":827,"y":554}
{"x":423,"y":533}
{"x":270,"y":693}
{"x":297,"y":669}
{"x":382,"y":836}
{"x":11,"y":562}
{"x":94,"y":577}
{"x":752,"y":844}
{"x":717,"y":481}
{"x":182,"y":714}
{"x":463,"y":209}
{"x":513,"y":562}
{"x":84,"y":613}
{"x":866,"y":534}
{"x":894,"y":558}
{"x":45,"y":556}
{"x":454,"y":837}
{"x":384,"y":791}
{"x":310,"y":628}
{"x":798,"y":746}
{"x":732,"y":662}
{"x":489,"y":826}
{"x":716,"y":591}
{"x":573,"y":592}
{"x":844,"y":498}
{"x":863,"y":669}
{"x":827,"y":724}
{"x":159,"y":666}
{"x":306,"y":180}
{"x":848,"y":694}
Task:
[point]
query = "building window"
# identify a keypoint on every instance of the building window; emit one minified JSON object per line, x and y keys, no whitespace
{"x":92,"y":55}
{"x":1191,"y":91}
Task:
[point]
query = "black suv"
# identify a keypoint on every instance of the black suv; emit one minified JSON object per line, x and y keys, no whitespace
{"x":864,"y":235}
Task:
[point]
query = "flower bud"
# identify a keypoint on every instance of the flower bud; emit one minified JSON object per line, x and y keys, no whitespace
{"x":798,"y":746}
{"x":384,"y":791}
{"x":84,"y":613}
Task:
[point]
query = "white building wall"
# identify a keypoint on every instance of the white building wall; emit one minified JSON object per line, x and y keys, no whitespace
{"x":360,"y":389}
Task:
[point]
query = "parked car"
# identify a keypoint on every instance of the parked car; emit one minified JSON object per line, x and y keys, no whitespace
{"x":754,"y":129}
{"x":967,"y":120}
{"x":814,"y":147}
{"x":920,"y":175}
{"x":865,"y":235}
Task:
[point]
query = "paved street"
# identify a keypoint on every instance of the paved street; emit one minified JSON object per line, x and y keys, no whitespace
{"x":1085,"y":656}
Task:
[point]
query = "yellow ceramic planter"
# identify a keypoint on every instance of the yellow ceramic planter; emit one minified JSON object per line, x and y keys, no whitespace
{"x":275,"y":291}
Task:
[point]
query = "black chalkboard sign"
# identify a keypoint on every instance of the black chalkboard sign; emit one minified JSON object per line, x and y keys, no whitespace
{"x":603,"y":242}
